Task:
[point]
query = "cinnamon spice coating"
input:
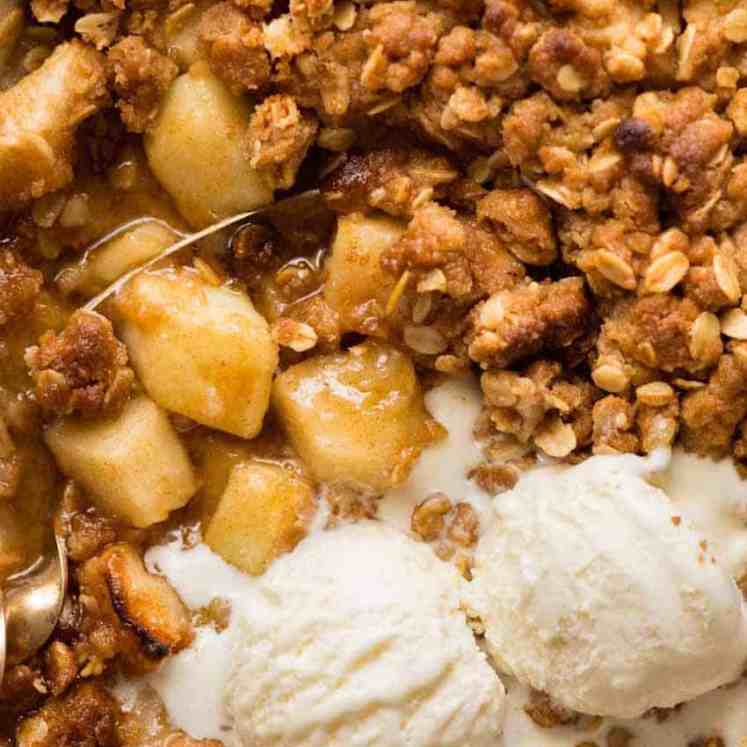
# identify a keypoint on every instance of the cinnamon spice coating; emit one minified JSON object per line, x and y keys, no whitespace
{"x":549,"y":195}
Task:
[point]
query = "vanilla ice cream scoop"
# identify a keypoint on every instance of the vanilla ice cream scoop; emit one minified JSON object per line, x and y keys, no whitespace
{"x":362,"y":642}
{"x":593,"y":590}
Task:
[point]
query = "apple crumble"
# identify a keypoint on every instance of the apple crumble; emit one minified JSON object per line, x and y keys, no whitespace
{"x":544,"y":198}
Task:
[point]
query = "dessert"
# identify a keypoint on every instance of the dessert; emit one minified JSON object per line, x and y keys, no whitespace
{"x":359,"y":637}
{"x":593,"y":589}
{"x":515,"y":253}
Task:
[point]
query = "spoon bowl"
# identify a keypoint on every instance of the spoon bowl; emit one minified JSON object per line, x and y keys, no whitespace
{"x":31,"y":606}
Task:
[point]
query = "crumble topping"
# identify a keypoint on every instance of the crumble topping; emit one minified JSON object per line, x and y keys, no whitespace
{"x":394,"y":180}
{"x":548,"y":714}
{"x":349,"y":503}
{"x":515,"y":324}
{"x":84,"y":717}
{"x":568,"y":186}
{"x":19,"y":287}
{"x":141,"y":77}
{"x":451,"y":528}
{"x":82,"y":369}
{"x":278,"y":137}
{"x":234,"y":45}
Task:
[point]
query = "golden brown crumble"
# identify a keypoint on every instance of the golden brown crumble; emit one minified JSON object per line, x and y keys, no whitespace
{"x":61,"y":667}
{"x":279,"y":136}
{"x":565,"y":185}
{"x":83,"y":369}
{"x":394,"y":180}
{"x":49,"y":11}
{"x":523,"y":221}
{"x":660,"y":331}
{"x":495,"y":478}
{"x":401,"y":44}
{"x":566,"y":67}
{"x":216,"y":614}
{"x":471,"y":260}
{"x":451,"y":528}
{"x":538,"y":407}
{"x":428,"y":520}
{"x":141,"y":78}
{"x":19,"y":287}
{"x":515,"y":324}
{"x":89,"y":716}
{"x":546,"y":713}
{"x":234,"y":46}
{"x":349,"y":503}
{"x":127,"y":613}
{"x":613,"y":420}
{"x":84,"y":717}
{"x":85,"y":530}
{"x":711,"y":414}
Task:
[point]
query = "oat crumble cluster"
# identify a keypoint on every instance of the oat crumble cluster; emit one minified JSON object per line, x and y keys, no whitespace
{"x":549,"y":193}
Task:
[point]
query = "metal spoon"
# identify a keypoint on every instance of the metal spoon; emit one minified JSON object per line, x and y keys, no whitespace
{"x":308,"y":204}
{"x":31,"y":603}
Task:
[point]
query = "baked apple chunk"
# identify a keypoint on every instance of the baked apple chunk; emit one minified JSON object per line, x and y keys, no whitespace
{"x":262,"y":513}
{"x":134,"y":466}
{"x":357,"y":287}
{"x":39,"y":117}
{"x":195,"y":149}
{"x":355,"y":416}
{"x":200,"y":350}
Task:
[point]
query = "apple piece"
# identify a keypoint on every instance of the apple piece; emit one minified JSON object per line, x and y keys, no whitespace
{"x":133,"y":466}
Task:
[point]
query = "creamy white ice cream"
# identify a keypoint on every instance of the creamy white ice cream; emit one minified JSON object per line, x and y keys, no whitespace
{"x":362,"y":642}
{"x":592,"y":589}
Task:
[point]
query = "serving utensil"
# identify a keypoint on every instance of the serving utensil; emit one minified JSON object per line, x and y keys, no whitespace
{"x":305,"y":204}
{"x":30,"y":605}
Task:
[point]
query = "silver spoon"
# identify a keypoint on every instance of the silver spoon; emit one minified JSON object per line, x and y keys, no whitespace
{"x":308,"y":204}
{"x":31,"y":606}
